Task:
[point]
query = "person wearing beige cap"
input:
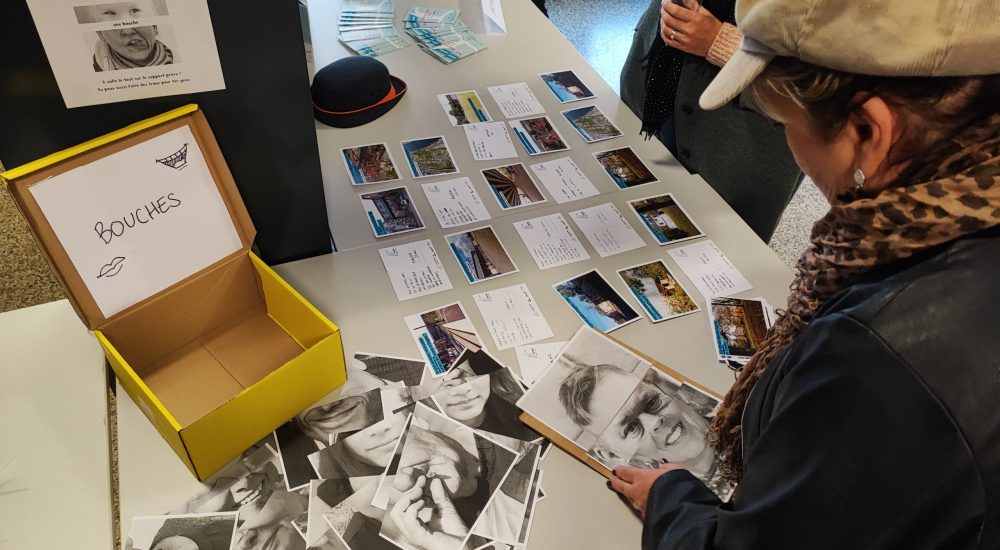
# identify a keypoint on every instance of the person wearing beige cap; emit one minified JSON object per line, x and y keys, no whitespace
{"x":869,"y":416}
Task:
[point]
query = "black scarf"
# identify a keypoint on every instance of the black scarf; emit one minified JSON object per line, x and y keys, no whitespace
{"x":663,"y":66}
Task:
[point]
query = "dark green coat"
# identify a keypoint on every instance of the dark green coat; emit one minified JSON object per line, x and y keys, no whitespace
{"x":738,"y":151}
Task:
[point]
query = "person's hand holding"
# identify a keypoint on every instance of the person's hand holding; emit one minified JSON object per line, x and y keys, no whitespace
{"x":633,"y":484}
{"x":404,"y":514}
{"x":690,"y":28}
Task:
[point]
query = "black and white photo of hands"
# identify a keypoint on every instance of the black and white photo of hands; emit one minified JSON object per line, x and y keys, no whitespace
{"x":426,"y":517}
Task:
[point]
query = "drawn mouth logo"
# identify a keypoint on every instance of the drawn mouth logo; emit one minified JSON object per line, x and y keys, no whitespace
{"x":111,"y":268}
{"x":177,"y":160}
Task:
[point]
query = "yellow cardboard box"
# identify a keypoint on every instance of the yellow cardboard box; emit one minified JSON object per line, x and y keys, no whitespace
{"x":218,"y":360}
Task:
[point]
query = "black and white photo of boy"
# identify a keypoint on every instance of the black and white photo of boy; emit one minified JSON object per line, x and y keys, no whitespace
{"x":128,"y":44}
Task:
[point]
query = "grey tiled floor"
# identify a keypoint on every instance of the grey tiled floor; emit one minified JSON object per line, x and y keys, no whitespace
{"x":601,"y":30}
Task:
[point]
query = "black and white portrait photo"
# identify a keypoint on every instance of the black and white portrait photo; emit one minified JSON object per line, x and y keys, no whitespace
{"x":663,"y":419}
{"x":482,"y":394}
{"x":124,"y":38}
{"x":585,"y":387}
{"x":189,"y":531}
{"x":447,"y":476}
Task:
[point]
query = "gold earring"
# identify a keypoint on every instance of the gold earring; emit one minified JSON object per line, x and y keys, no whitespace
{"x":859,"y":181}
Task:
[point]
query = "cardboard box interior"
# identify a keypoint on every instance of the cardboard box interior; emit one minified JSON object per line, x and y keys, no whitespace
{"x":205,"y":342}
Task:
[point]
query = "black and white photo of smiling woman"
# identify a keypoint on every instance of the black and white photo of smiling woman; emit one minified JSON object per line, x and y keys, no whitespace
{"x":663,"y":420}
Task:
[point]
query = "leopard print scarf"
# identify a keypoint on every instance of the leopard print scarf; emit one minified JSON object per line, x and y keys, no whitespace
{"x":960,"y":195}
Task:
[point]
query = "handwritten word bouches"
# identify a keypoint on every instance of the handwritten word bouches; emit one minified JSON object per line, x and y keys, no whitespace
{"x":142,"y":215}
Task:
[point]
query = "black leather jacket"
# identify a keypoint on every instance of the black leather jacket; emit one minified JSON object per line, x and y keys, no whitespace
{"x":879,"y":427}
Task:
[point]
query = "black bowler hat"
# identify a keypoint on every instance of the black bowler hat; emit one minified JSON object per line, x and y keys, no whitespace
{"x":353,"y":91}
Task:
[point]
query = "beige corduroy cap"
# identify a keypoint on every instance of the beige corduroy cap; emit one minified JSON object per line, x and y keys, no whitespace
{"x":872,"y":37}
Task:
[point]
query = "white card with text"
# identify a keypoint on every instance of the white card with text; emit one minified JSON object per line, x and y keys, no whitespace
{"x":140,"y":220}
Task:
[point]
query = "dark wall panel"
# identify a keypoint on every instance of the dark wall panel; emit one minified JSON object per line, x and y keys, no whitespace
{"x":262,"y":120}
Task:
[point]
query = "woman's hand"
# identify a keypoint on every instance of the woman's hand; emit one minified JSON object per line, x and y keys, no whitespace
{"x":690,"y":28}
{"x":405,"y":514}
{"x":633,"y":484}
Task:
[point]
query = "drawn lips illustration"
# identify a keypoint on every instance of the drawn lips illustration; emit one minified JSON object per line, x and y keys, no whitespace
{"x":111,"y":268}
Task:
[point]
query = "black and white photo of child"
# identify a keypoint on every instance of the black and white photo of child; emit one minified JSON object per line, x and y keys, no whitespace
{"x":502,"y":520}
{"x":585,"y":387}
{"x":126,"y":43}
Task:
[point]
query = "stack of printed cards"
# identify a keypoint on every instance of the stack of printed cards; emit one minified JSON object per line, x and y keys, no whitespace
{"x":366,"y":27}
{"x":356,"y":470}
{"x":739,"y":326}
{"x":440,"y":33}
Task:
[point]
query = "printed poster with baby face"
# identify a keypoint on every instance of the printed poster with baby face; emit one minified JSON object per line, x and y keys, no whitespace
{"x":105,"y":52}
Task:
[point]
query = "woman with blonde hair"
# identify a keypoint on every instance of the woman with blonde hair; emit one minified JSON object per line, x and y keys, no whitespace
{"x":868,"y":418}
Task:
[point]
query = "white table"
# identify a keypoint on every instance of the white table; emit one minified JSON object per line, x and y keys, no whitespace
{"x":55,"y":481}
{"x":351,"y":287}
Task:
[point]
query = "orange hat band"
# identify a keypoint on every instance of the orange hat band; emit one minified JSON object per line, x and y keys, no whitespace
{"x":393,"y":94}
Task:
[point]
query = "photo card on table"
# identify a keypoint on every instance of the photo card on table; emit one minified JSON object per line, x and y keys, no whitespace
{"x":442,"y":334}
{"x":516,"y":100}
{"x":591,"y":124}
{"x":428,"y":157}
{"x":566,"y":86}
{"x":665,"y":219}
{"x":512,"y":186}
{"x":564,"y":180}
{"x":550,"y":241}
{"x":739,"y":325}
{"x":625,"y":168}
{"x":658,"y":291}
{"x":442,"y":459}
{"x":455,"y":202}
{"x":596,"y":302}
{"x":391,"y":211}
{"x":414,"y":269}
{"x":538,"y":135}
{"x":369,"y":164}
{"x":512,"y":316}
{"x":464,"y":108}
{"x":480,"y":254}
{"x":606,"y":229}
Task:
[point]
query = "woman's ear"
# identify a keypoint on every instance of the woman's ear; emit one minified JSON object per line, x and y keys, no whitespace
{"x":873,"y":127}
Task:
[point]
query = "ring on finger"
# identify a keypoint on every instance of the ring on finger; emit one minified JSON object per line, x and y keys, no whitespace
{"x":673,"y":34}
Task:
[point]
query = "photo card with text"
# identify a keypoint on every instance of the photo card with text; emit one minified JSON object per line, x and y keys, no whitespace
{"x":429,"y":157}
{"x":480,"y":254}
{"x":597,"y":303}
{"x":739,"y":325}
{"x":665,"y":219}
{"x":464,"y":108}
{"x":591,"y":124}
{"x":391,"y":211}
{"x":512,"y":186}
{"x":442,"y":334}
{"x":658,"y":291}
{"x":566,"y":86}
{"x":625,"y":168}
{"x":538,"y":135}
{"x":369,"y":164}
